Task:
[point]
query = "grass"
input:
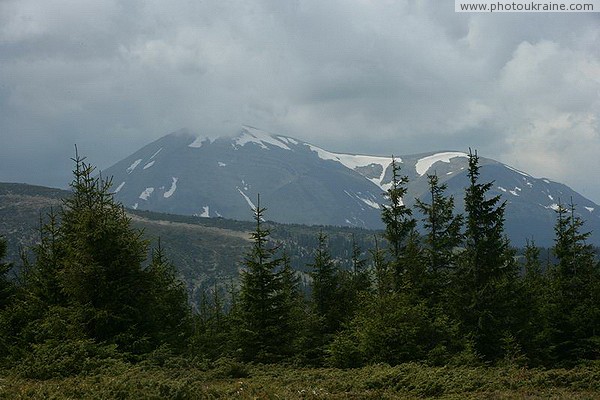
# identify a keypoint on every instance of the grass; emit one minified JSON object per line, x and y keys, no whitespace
{"x":231,"y":380}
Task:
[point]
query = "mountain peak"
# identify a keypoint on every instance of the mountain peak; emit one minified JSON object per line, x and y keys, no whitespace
{"x":304,"y":183}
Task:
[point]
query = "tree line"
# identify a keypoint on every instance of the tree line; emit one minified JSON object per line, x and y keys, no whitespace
{"x":455,"y":293}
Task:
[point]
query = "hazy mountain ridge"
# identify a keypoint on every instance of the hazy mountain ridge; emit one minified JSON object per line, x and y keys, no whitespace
{"x":302,"y":183}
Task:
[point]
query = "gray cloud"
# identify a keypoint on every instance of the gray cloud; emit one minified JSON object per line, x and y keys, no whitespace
{"x":359,"y":76}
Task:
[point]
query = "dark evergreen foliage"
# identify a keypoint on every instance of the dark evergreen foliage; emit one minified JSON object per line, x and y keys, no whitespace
{"x":446,"y":297}
{"x":442,"y":238}
{"x":484,"y":281}
{"x":265,"y":291}
{"x":325,"y":287}
{"x":398,"y":221}
{"x":87,"y":282}
{"x":170,"y":317}
{"x":6,"y":286}
{"x":574,"y":325}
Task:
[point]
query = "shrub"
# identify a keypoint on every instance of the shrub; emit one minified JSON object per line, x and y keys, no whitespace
{"x":53,"y":358}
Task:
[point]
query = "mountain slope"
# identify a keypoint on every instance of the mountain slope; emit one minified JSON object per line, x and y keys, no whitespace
{"x":206,"y":251}
{"x":302,"y":183}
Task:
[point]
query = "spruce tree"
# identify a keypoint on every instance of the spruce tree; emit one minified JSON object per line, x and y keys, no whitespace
{"x":101,"y":268}
{"x":170,"y":319}
{"x":294,"y":312}
{"x":384,"y":281}
{"x":325,"y":286}
{"x":398,"y":221}
{"x":574,"y":311}
{"x":263,"y":307}
{"x":443,"y":236}
{"x":212,"y":337}
{"x":533,"y":330}
{"x":42,"y":279}
{"x":87,"y":281}
{"x":485,"y":277}
{"x":573,"y":253}
{"x":416,"y":279}
{"x":360,"y":276}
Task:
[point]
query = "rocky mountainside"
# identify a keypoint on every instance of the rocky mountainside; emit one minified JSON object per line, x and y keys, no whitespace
{"x":298,"y":182}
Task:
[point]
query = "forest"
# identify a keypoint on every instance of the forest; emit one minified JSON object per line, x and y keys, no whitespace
{"x":445,"y":310}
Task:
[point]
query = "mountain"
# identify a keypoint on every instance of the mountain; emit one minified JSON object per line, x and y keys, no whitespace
{"x":182,"y":173}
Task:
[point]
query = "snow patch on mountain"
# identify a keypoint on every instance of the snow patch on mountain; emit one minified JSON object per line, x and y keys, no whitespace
{"x":146,"y":193}
{"x":156,"y":153}
{"x":253,"y":135}
{"x":118,"y":189}
{"x":517,"y":171}
{"x":151,"y":163}
{"x":135,"y":206}
{"x":205,"y":212}
{"x":199,"y":141}
{"x":354,"y":161}
{"x":369,"y":202}
{"x":221,"y":164}
{"x":134,"y":165}
{"x":287,"y":140}
{"x":172,"y":189}
{"x":590,"y":209}
{"x":425,"y":163}
{"x":250,"y":203}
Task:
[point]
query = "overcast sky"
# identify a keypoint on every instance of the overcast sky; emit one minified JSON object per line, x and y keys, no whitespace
{"x":362,"y":76}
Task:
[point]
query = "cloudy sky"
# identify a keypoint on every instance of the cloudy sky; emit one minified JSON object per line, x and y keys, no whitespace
{"x":363,"y":76}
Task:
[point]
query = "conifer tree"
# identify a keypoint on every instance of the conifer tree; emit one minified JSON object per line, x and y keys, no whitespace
{"x":533,"y":332}
{"x":443,"y":235}
{"x":212,"y":326}
{"x":416,"y":280}
{"x":87,"y":281}
{"x":101,"y":268}
{"x":263,"y":307}
{"x":170,"y":318}
{"x":325,"y":286}
{"x":42,"y":284}
{"x":398,"y":221}
{"x":486,"y":274}
{"x":384,"y":281}
{"x":575,"y":313}
{"x":573,"y":253}
{"x":293,"y":309}
{"x":360,"y":275}
{"x":354,"y":285}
